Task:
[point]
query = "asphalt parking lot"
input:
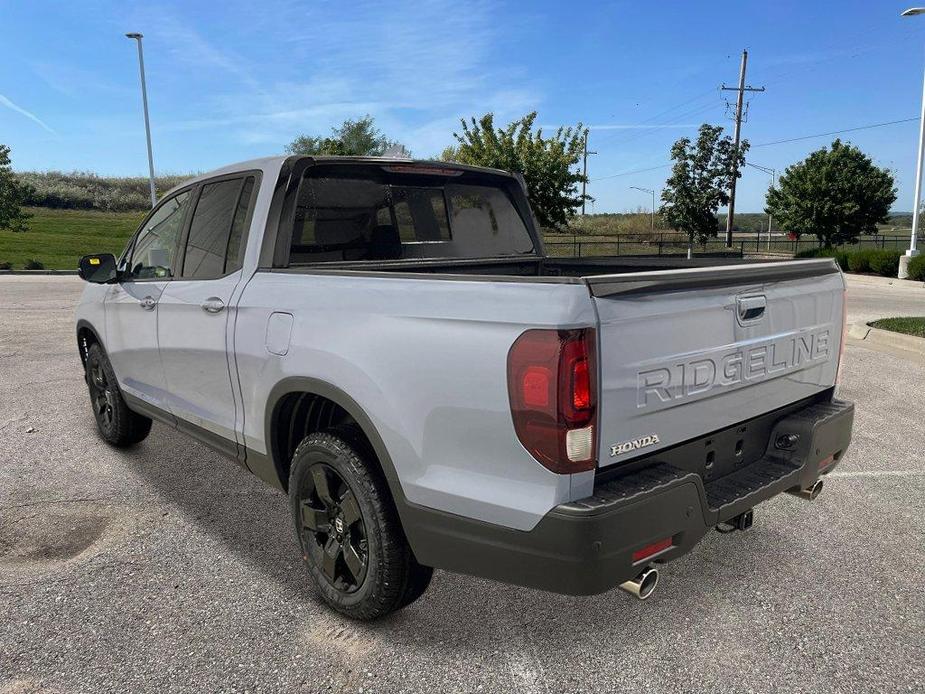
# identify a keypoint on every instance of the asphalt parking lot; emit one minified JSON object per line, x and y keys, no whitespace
{"x":166,"y":568}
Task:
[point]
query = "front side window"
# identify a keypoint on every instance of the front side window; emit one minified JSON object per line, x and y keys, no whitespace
{"x":213,"y":246}
{"x":154,"y":254}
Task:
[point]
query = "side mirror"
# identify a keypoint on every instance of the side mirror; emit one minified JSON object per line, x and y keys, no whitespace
{"x":99,"y":268}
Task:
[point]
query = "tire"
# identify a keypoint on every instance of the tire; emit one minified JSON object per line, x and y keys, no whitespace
{"x":418,"y":583}
{"x":117,"y":424}
{"x":348,"y":529}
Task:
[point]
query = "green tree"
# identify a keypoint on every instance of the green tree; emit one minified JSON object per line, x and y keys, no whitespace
{"x":835,"y":193}
{"x":548,"y":164}
{"x":699,"y":182}
{"x":12,"y":194}
{"x":353,"y":138}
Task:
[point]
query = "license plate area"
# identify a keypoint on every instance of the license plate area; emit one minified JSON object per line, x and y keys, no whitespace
{"x":730,"y":450}
{"x":719,"y":453}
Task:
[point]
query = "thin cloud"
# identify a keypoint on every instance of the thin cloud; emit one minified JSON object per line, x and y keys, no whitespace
{"x":23,"y":112}
{"x":430,"y":64}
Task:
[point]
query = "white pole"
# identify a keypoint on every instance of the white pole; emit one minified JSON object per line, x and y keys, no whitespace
{"x":912,"y":252}
{"x":918,"y":176}
{"x":773,"y":183}
{"x":653,"y":210}
{"x":144,"y":101}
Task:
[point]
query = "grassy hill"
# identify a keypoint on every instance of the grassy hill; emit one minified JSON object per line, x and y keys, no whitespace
{"x":57,"y":238}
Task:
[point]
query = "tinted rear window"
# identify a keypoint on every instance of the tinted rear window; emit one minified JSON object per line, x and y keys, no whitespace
{"x":214,"y":246}
{"x":366,"y":213}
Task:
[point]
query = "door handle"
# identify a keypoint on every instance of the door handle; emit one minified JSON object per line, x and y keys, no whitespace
{"x":213,"y":305}
{"x":751,"y":307}
{"x":148,"y":303}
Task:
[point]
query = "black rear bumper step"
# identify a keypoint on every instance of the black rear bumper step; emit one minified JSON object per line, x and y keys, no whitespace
{"x":741,"y":484}
{"x":822,"y":429}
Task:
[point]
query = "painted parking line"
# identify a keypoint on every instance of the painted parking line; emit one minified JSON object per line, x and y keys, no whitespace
{"x":878,"y":473}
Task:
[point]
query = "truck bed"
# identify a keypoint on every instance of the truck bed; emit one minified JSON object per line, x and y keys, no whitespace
{"x":546,"y":269}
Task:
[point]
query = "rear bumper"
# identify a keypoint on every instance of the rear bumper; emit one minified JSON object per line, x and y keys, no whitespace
{"x":586,"y":547}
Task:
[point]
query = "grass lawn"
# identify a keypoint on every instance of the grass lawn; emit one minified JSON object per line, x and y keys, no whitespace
{"x":57,"y":238}
{"x":909,"y":326}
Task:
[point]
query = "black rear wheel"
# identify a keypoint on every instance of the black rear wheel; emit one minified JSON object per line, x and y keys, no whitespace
{"x":350,"y":534}
{"x":333,"y":531}
{"x":117,"y":424}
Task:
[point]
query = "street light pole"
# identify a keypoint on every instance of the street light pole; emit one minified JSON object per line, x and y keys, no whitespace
{"x":912,"y":252}
{"x":773,"y":173}
{"x":646,"y":190}
{"x":144,"y":100}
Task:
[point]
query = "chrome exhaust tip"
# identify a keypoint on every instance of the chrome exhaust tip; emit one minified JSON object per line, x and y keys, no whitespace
{"x":643,"y":585}
{"x":810,"y":493}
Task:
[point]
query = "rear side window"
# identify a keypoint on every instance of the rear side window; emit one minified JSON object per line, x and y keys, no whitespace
{"x":234,"y":259}
{"x":214,"y":246}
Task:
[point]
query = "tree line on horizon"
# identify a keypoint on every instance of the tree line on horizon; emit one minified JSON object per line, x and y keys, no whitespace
{"x":836,"y":193}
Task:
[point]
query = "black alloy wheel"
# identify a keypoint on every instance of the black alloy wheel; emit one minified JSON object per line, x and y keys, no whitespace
{"x":117,"y":424}
{"x":333,"y":530}
{"x":348,"y":527}
{"x":101,"y":395}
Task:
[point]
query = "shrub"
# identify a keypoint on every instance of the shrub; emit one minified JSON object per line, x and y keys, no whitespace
{"x":6,"y":266}
{"x":917,"y":268}
{"x":840,"y":255}
{"x":885,"y":262}
{"x":859,"y":261}
{"x":87,"y":191}
{"x":32,"y":264}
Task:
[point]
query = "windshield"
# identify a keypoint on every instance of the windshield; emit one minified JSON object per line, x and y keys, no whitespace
{"x":368,"y":213}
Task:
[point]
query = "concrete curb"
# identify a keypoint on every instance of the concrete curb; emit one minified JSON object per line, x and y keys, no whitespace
{"x":38,"y":272}
{"x":886,"y":338}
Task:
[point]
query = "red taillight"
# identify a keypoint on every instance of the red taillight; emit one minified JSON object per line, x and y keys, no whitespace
{"x":651,"y":550}
{"x":581,"y":386}
{"x":551,"y":384}
{"x":535,"y":385}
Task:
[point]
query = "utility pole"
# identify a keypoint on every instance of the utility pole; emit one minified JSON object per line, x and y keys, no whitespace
{"x":741,"y":89}
{"x":584,"y":174}
{"x":144,"y":101}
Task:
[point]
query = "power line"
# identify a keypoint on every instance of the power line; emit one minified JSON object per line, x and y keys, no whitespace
{"x":673,"y":120}
{"x":677,"y":119}
{"x":629,"y":173}
{"x":775,"y":142}
{"x":857,"y":50}
{"x":837,"y":132}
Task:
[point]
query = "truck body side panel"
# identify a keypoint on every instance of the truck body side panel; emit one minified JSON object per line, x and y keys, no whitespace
{"x":427,"y":362}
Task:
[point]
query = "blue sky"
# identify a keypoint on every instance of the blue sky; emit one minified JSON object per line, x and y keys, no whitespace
{"x":234,"y":80}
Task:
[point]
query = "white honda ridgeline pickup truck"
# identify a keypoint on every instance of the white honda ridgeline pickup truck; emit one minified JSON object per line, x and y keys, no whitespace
{"x":386,"y":341}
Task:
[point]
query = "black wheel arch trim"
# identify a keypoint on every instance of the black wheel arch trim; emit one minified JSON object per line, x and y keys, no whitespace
{"x":83,"y":324}
{"x":315,"y":386}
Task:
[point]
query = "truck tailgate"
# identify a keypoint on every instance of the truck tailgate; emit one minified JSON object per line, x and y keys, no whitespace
{"x":684,"y":353}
